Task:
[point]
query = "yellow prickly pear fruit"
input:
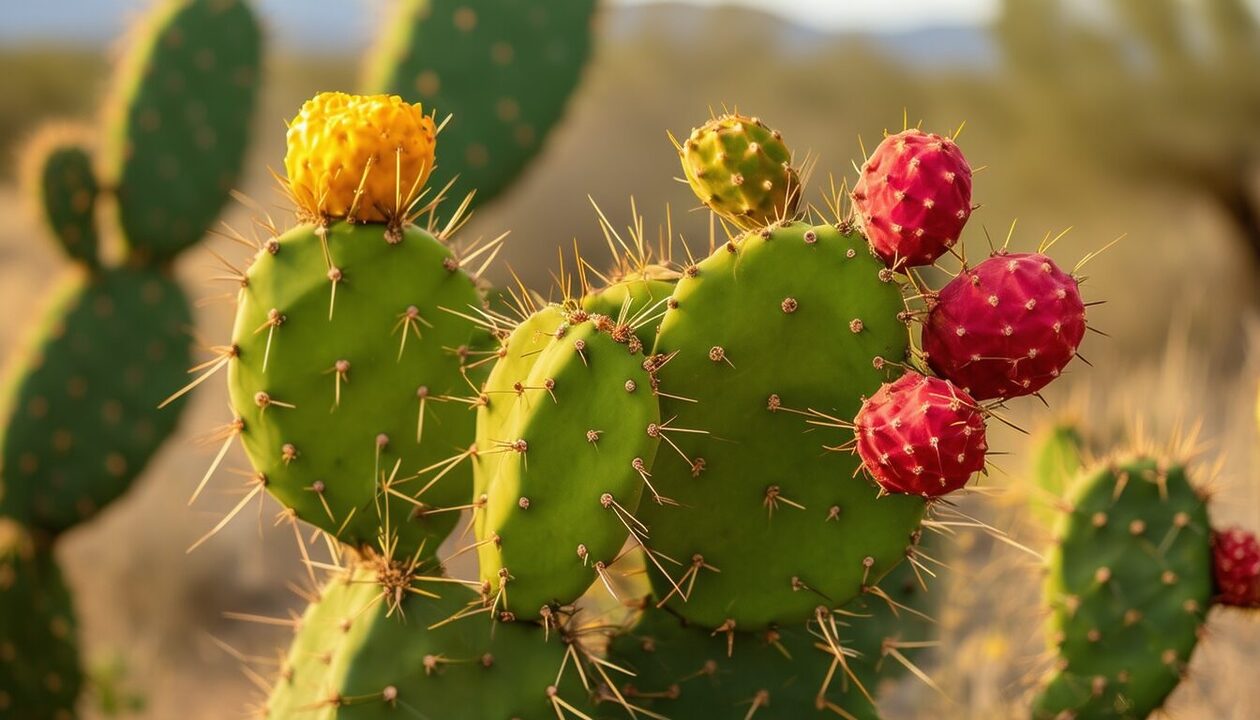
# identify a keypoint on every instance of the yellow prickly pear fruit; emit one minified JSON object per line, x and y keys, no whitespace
{"x":361,"y":157}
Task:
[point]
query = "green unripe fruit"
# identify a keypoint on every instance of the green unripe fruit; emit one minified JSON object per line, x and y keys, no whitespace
{"x":1129,"y":587}
{"x":571,"y":445}
{"x":40,"y":675}
{"x":354,"y":659}
{"x":783,"y":321}
{"x":347,"y":347}
{"x":741,"y":170}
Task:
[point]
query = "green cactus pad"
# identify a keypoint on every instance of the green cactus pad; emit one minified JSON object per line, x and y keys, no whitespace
{"x":180,"y":120}
{"x":65,"y":189}
{"x":1129,"y":588}
{"x":80,"y":403}
{"x":741,"y":170}
{"x":792,"y":318}
{"x":639,"y":298}
{"x":683,"y":671}
{"x":1056,"y":459}
{"x":330,"y":437}
{"x":576,"y":448}
{"x":503,"y":69}
{"x":40,"y":675}
{"x":353,"y":659}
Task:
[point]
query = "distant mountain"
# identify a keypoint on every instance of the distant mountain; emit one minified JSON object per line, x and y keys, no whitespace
{"x":346,"y":26}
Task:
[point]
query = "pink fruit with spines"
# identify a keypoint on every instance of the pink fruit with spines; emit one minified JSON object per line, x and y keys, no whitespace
{"x":921,"y":435}
{"x":913,"y":198}
{"x":1236,"y":567}
{"x":1005,"y":327}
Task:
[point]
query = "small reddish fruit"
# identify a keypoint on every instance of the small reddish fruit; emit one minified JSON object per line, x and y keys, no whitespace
{"x":1006,"y":327}
{"x":920,"y":435}
{"x":913,"y":198}
{"x":1236,"y":567}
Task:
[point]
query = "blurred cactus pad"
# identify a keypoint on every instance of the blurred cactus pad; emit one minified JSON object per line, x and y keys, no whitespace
{"x":80,"y":400}
{"x":502,"y":69}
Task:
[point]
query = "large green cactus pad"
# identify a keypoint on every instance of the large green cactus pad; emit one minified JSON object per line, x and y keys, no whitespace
{"x":61,"y":178}
{"x":379,"y":665}
{"x":792,"y":318}
{"x":180,"y":120}
{"x":363,"y":346}
{"x":40,"y":674}
{"x":576,"y":446}
{"x":80,"y":403}
{"x":503,"y":69}
{"x":1129,"y":588}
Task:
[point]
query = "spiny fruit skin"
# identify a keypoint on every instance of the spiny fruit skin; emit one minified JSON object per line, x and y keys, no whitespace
{"x":504,"y":71}
{"x":921,"y":435}
{"x":913,"y":197}
{"x":40,"y":674}
{"x":1006,"y":327}
{"x":340,"y":377}
{"x":404,"y":664}
{"x":58,"y":168}
{"x":572,"y":443}
{"x":1236,"y":567}
{"x":741,"y":170}
{"x":81,"y":396}
{"x":1129,"y":587}
{"x":790,"y":318}
{"x":179,"y":122}
{"x":368,"y":154}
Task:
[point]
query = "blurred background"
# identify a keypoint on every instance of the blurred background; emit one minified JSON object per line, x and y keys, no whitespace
{"x":1133,"y":118}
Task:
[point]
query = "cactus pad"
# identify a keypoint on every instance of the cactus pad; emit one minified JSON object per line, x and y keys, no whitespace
{"x":353,"y":659}
{"x":80,"y":401}
{"x":1129,"y":588}
{"x":40,"y":674}
{"x":59,"y":174}
{"x":180,"y":121}
{"x":368,"y":154}
{"x":577,"y":445}
{"x":741,"y":170}
{"x":786,"y":320}
{"x":504,"y":71}
{"x":344,"y":360}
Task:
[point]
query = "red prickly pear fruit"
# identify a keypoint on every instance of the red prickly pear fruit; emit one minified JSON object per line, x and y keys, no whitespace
{"x":920,"y":435}
{"x":1236,"y":567}
{"x":1006,"y":327}
{"x":913,"y":198}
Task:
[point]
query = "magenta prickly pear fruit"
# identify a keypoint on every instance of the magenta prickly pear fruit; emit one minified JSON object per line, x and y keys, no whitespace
{"x":1236,"y":567}
{"x":1006,"y":327}
{"x":921,"y":436}
{"x":913,"y":197}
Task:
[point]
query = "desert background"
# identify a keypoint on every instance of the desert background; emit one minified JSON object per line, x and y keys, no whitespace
{"x":1084,"y":116}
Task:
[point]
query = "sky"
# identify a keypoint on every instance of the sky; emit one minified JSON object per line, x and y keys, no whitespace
{"x":295,"y":20}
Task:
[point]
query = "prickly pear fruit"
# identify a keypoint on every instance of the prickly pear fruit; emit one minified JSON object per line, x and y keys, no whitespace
{"x":40,"y":675}
{"x":742,"y":170}
{"x":921,"y":435}
{"x":356,"y":657}
{"x":58,"y":167}
{"x":913,"y":197}
{"x":577,"y":436}
{"x":503,"y":71}
{"x":1006,"y":327}
{"x":1129,"y":587}
{"x":785,"y":320}
{"x":1236,"y":567}
{"x":362,"y":158}
{"x":179,"y":124}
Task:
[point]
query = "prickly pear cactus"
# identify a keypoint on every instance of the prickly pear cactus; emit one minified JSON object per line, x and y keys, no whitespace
{"x":357,"y":657}
{"x":503,"y":70}
{"x":575,"y":438}
{"x":40,"y":673}
{"x":60,"y":176}
{"x":1057,"y":457}
{"x":788,"y":319}
{"x":741,"y":169}
{"x":179,"y":122}
{"x":1129,"y":587}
